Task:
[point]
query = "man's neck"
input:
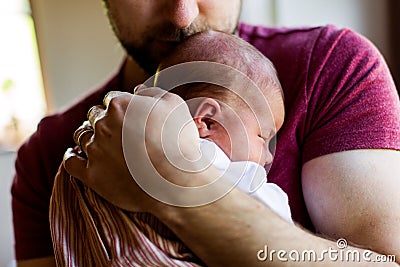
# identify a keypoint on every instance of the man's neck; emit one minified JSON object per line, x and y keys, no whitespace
{"x":132,"y":75}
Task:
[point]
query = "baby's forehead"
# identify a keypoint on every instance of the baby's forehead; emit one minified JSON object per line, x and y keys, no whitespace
{"x":261,"y":120}
{"x":234,"y":94}
{"x":255,"y":99}
{"x":265,"y":106}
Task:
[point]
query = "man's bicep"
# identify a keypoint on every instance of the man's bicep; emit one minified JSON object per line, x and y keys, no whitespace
{"x":355,"y":195}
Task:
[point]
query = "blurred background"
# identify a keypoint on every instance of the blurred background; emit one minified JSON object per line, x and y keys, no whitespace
{"x":53,"y":52}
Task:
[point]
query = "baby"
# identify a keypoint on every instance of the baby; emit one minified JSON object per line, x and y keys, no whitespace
{"x":240,"y":117}
{"x":236,"y":124}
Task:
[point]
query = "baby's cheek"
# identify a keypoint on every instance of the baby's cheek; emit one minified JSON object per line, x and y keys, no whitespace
{"x":259,"y":153}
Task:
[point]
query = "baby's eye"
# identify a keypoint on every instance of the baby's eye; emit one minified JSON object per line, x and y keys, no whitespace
{"x":263,"y":138}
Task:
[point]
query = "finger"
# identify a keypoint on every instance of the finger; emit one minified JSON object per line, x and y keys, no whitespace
{"x":85,"y":126}
{"x":95,"y":113}
{"x":138,"y":87}
{"x":84,"y":139}
{"x":161,"y":95}
{"x":74,"y":164}
{"x":155,"y":92}
{"x":113,"y":94}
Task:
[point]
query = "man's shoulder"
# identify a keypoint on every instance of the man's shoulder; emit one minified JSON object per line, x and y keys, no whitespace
{"x":308,"y":44}
{"x":261,"y":31}
{"x":253,"y":33}
{"x":282,"y":42}
{"x":301,"y":54}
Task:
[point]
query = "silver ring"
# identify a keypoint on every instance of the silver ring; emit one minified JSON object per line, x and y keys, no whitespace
{"x":81,"y":135}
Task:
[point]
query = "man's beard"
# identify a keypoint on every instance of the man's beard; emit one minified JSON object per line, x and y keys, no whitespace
{"x":148,"y":55}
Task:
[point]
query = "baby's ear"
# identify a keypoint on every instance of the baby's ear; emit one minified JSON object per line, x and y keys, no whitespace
{"x":208,"y":108}
{"x":205,"y":115}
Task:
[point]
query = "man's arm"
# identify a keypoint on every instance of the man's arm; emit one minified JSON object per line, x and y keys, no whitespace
{"x":355,"y":195}
{"x":234,"y":229}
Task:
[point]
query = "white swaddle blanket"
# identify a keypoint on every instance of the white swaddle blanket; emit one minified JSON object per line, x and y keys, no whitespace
{"x":250,"y":178}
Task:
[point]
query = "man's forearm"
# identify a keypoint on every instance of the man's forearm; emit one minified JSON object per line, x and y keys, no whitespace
{"x":238,"y":231}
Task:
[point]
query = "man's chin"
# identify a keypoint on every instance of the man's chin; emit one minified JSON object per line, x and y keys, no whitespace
{"x":149,"y":60}
{"x":148,"y":64}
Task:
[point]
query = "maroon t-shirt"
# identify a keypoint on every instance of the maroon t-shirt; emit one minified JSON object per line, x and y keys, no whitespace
{"x":339,"y":96}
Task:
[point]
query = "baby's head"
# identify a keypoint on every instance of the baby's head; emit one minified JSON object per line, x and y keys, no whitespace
{"x":237,"y":119}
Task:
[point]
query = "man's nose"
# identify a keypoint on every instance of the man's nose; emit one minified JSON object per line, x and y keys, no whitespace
{"x":181,"y":13}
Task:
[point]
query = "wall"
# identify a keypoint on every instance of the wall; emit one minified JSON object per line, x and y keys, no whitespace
{"x":258,"y":12}
{"x":77,"y":48}
{"x":368,"y":17}
{"x":6,"y":228}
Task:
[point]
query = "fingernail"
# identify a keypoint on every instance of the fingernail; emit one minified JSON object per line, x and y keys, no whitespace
{"x":69,"y":153}
{"x":138,"y":88}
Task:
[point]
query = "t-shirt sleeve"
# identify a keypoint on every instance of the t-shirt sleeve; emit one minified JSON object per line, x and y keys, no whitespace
{"x":36,"y":165}
{"x":351,"y":99}
{"x":30,"y":200}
